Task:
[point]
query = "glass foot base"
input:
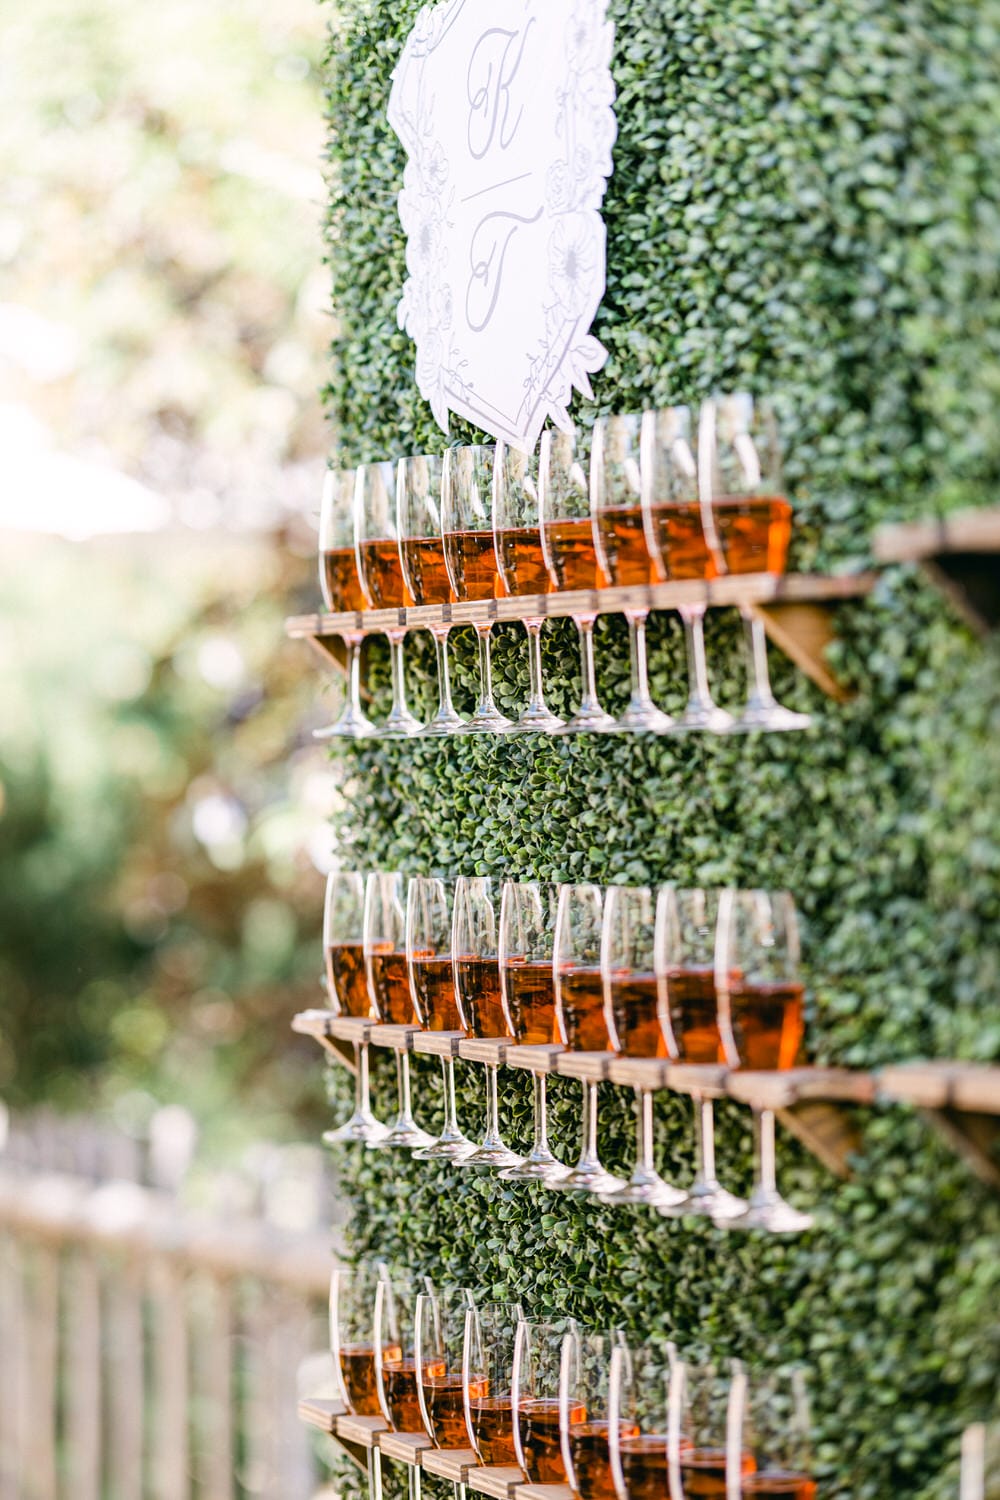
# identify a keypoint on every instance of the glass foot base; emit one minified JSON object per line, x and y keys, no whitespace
{"x":769,"y":718}
{"x":652,"y":1190}
{"x":458,"y":1149}
{"x":588,"y":721}
{"x":360,"y":1130}
{"x":484,"y":722}
{"x":648,"y":720}
{"x":708,"y":1202}
{"x":441,"y":726}
{"x":703,"y":718}
{"x":770,"y":1213}
{"x":536,"y":1168}
{"x":588,"y":1180}
{"x":537,"y":721}
{"x":401,"y":727}
{"x":404,"y":1133}
{"x":495,"y":1155}
{"x":347,"y":727}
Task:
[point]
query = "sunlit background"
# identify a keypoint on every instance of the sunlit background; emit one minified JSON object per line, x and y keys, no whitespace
{"x":163,"y":327}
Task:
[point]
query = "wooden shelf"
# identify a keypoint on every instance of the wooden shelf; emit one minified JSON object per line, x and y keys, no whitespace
{"x":795,"y":609}
{"x":959,"y":553}
{"x":961,"y":1100}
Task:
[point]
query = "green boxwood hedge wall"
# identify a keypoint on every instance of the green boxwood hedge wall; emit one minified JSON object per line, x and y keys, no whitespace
{"x":804,"y":202}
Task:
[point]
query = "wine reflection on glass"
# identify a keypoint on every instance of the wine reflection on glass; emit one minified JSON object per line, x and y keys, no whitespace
{"x":687,"y":923}
{"x":579,"y":989}
{"x":476,"y":960}
{"x":535,"y":1399}
{"x":470,"y":556}
{"x":742,"y":490}
{"x":567,"y":534}
{"x":487,"y":1367}
{"x":630,"y":1013}
{"x":620,"y":538}
{"x":341,"y":590}
{"x":429,"y":904}
{"x":682,"y":542}
{"x":381,"y":574}
{"x":527,"y":993}
{"x":421,"y":552}
{"x":763,"y":1024}
{"x":389,"y":990}
{"x":347,"y":982}
{"x":521,"y":565}
{"x":584,"y":1417}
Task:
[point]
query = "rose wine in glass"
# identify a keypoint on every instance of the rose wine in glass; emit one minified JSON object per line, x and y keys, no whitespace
{"x":631,"y":1014}
{"x":470,"y":555}
{"x":341,"y":590}
{"x":535,"y":1388}
{"x":567,"y":536}
{"x":440,"y":1334}
{"x":476,"y":960}
{"x":521,"y":565}
{"x":776,"y":1431}
{"x":419,"y":483}
{"x":527,"y":988}
{"x":389,"y":988}
{"x":584,"y":1421}
{"x":380,"y":571}
{"x":429,"y":919}
{"x":487,"y":1365}
{"x":623,"y":550}
{"x":347,"y":982}
{"x":352,"y":1299}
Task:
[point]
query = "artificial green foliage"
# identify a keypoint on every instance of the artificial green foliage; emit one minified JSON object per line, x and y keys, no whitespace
{"x":803,"y":202}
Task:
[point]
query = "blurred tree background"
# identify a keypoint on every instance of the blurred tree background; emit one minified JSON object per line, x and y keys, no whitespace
{"x":161,"y":343}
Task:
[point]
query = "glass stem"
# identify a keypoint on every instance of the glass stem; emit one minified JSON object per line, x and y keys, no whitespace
{"x":644,"y":1132}
{"x":589,"y":702}
{"x":486,"y":704}
{"x":704,"y":1139}
{"x":451,"y":1131}
{"x":397,"y":639}
{"x":374,"y":1474}
{"x":767,"y":1172}
{"x":403,"y":1085}
{"x":536,"y":697}
{"x":353,"y":644}
{"x":492,"y":1136}
{"x":540,"y":1101}
{"x":364,"y":1085}
{"x":699,"y":693}
{"x":413,"y":1485}
{"x":640,"y":699}
{"x":588,"y":1150}
{"x":759,"y":694}
{"x":446,"y":709}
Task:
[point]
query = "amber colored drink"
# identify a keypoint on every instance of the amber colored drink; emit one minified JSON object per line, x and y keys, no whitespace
{"x":426,"y":570}
{"x":433,"y":985}
{"x":492,"y":1429}
{"x":768,"y":1023}
{"x":479,"y":996}
{"x":341,"y":584}
{"x":573,"y":560}
{"x":703,"y":1471}
{"x":633,"y":1006}
{"x":623,"y":541}
{"x":383,"y":574}
{"x":580,"y":1011}
{"x":446,"y":1408}
{"x":778,"y":1485}
{"x":399,"y":1381}
{"x":752,"y":534}
{"x":531,"y":1001}
{"x":588,"y":1446}
{"x":538,"y":1418}
{"x":389,"y":981}
{"x":473,"y":564}
{"x":522,"y":565}
{"x":644,"y":1466}
{"x":357,"y":1369}
{"x":348,"y":979}
{"x":692,"y":1000}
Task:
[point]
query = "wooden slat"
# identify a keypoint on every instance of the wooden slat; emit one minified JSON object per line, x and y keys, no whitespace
{"x":591,"y":1067}
{"x":781,"y":1090}
{"x":827,"y":1130}
{"x":963,"y":531}
{"x":639,"y":1072}
{"x":352,"y":1028}
{"x":14,"y":1387}
{"x":362,"y":1431}
{"x":438,"y":1043}
{"x":943,"y":1085}
{"x":804,"y":632}
{"x":399,"y":1038}
{"x":83,"y":1379}
{"x":543,"y":1492}
{"x":315,"y":1411}
{"x":314,"y":1023}
{"x":169,"y":1431}
{"x":539,"y":1059}
{"x":497,"y":1480}
{"x":215,"y":1332}
{"x":404,"y":1447}
{"x":123,"y":1302}
{"x":474,"y":1049}
{"x":450,"y":1463}
{"x":42,"y":1346}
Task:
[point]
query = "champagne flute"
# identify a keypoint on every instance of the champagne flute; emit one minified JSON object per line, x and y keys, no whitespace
{"x":389,"y":989}
{"x":347,"y":982}
{"x":762,"y":1024}
{"x":467,"y":527}
{"x":638,"y":1386}
{"x":579,"y":988}
{"x":518,"y":546}
{"x":687,"y":1002}
{"x":352,"y":1310}
{"x":475,"y":956}
{"x":395,"y":1364}
{"x":584,"y":1423}
{"x":699,"y":1456}
{"x":527,"y":992}
{"x":421,"y":554}
{"x":341,"y":589}
{"x":381,"y":573}
{"x":439,"y":1322}
{"x":535,"y":1399}
{"x":429,"y":903}
{"x":742,"y":500}
{"x":620,"y":538}
{"x":487,"y":1365}
{"x":567,"y":532}
{"x":680,"y":535}
{"x":630,"y":1013}
{"x":775,"y":1432}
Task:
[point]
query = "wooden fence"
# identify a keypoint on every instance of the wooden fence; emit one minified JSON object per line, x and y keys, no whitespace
{"x":149,"y":1351}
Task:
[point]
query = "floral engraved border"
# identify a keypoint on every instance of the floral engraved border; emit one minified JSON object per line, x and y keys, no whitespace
{"x":564,"y":353}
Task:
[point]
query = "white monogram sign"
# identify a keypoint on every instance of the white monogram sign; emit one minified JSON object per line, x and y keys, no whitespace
{"x":506,"y":110}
